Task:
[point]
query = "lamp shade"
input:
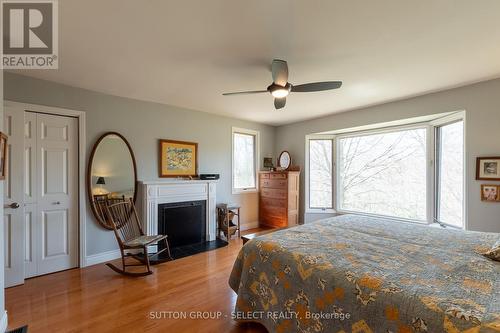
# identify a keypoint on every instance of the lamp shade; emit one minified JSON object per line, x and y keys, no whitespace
{"x":100,"y":181}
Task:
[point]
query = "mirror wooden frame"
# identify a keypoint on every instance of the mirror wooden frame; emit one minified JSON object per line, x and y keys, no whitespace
{"x":102,"y":222}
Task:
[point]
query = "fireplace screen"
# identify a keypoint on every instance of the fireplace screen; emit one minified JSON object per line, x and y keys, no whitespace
{"x":183,"y":222}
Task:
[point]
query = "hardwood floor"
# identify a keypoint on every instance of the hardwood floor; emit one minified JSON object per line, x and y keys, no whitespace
{"x":96,"y":299}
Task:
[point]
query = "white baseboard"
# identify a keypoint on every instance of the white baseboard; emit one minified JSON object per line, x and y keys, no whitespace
{"x":99,"y":258}
{"x":249,"y":225}
{"x":4,"y":322}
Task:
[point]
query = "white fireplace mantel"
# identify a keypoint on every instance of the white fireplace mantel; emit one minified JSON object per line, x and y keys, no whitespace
{"x":154,"y":193}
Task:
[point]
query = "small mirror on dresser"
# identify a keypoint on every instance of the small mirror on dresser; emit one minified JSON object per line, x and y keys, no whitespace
{"x":111,"y":174}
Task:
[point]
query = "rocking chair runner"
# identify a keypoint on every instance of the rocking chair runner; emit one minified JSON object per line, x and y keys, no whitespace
{"x":129,"y":234}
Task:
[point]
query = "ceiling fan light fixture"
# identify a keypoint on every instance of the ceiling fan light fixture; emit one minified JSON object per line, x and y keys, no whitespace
{"x":280,"y":88}
{"x":278,"y":91}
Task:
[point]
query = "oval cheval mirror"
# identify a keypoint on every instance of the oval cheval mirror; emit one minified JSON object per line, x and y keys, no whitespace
{"x":111,"y":175}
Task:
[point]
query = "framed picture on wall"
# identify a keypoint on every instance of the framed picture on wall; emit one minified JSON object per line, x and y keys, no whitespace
{"x":3,"y":155}
{"x":488,"y":168}
{"x":490,"y":193}
{"x":178,"y":158}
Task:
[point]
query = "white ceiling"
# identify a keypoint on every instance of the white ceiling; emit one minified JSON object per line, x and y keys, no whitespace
{"x":187,"y":53}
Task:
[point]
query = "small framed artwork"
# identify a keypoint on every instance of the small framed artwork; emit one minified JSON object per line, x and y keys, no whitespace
{"x":488,"y":168}
{"x":490,"y":193}
{"x":178,"y":158}
{"x":268,"y":163}
{"x":3,"y":156}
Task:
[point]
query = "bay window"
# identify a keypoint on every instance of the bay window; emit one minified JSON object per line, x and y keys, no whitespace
{"x":413,"y":172}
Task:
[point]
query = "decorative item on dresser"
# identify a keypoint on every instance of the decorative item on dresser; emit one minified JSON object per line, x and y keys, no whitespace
{"x":284,"y":160}
{"x":268,"y":163}
{"x":279,"y":198}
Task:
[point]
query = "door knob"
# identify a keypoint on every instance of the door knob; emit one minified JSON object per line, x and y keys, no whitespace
{"x":13,"y":205}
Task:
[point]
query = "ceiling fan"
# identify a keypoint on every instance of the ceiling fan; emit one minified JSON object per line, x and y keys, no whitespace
{"x":280,"y":88}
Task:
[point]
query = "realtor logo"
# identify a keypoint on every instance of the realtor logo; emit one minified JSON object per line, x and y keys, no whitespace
{"x":30,"y":34}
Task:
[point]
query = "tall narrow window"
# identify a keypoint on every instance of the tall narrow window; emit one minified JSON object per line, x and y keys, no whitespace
{"x":450,"y":174}
{"x":245,"y":157}
{"x":320,"y":174}
{"x":384,"y":173}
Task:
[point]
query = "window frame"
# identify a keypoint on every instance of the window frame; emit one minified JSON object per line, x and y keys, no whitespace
{"x":256,"y":135}
{"x":431,"y":167}
{"x":310,"y":209}
{"x":436,"y":124}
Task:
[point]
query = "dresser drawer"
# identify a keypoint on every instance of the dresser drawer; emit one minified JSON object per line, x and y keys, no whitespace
{"x":264,"y":176}
{"x":278,"y":175}
{"x":272,"y":221}
{"x":273,"y":193}
{"x":270,"y":202}
{"x":279,"y":212}
{"x":274,"y":183}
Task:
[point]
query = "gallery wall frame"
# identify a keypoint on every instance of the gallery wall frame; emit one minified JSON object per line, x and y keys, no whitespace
{"x":488,"y":168}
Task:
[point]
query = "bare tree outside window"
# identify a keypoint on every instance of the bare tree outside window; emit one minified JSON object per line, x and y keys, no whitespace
{"x":384,"y":174}
{"x":320,"y":173}
{"x":450,"y":176}
{"x":244,"y":161}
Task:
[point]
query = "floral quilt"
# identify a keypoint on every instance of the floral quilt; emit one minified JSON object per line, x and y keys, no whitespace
{"x":359,"y":274}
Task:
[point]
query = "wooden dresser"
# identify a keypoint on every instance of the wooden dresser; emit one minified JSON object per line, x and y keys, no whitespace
{"x":279,"y":198}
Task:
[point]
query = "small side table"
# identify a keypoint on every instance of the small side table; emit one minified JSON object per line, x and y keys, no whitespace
{"x":224,"y":212}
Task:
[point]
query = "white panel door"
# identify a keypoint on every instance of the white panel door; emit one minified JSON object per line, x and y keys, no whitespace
{"x":55,"y":241}
{"x":14,"y":222}
{"x":30,"y":195}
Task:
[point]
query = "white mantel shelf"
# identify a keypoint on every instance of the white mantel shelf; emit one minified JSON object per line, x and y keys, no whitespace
{"x":156,"y":192}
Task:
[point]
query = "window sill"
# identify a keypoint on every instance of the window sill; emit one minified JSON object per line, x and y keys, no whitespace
{"x":392,"y":218}
{"x":238,"y":191}
{"x":321,"y":211}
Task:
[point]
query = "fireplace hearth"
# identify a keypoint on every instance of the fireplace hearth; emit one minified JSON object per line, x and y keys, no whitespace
{"x":185,"y":225}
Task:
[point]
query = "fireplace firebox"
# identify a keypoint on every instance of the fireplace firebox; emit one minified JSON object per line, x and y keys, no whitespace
{"x":183,"y":222}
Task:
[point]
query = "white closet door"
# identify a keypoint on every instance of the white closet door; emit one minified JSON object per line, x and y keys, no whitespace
{"x":30,"y":194}
{"x":56,"y":231}
{"x":14,"y":219}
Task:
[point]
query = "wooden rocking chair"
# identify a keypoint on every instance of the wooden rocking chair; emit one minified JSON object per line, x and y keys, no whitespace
{"x":129,"y":234}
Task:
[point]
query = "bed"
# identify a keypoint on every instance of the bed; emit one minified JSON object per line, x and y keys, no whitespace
{"x":361,"y":274}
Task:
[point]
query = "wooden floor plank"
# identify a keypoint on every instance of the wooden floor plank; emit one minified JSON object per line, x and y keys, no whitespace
{"x":96,"y":299}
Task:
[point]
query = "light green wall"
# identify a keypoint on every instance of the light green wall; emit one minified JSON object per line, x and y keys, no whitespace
{"x":143,"y":123}
{"x":482,"y":104}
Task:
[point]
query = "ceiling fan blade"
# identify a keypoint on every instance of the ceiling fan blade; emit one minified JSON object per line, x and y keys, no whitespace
{"x":279,"y":69}
{"x":245,"y":92}
{"x":279,"y":103}
{"x":317,"y":86}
